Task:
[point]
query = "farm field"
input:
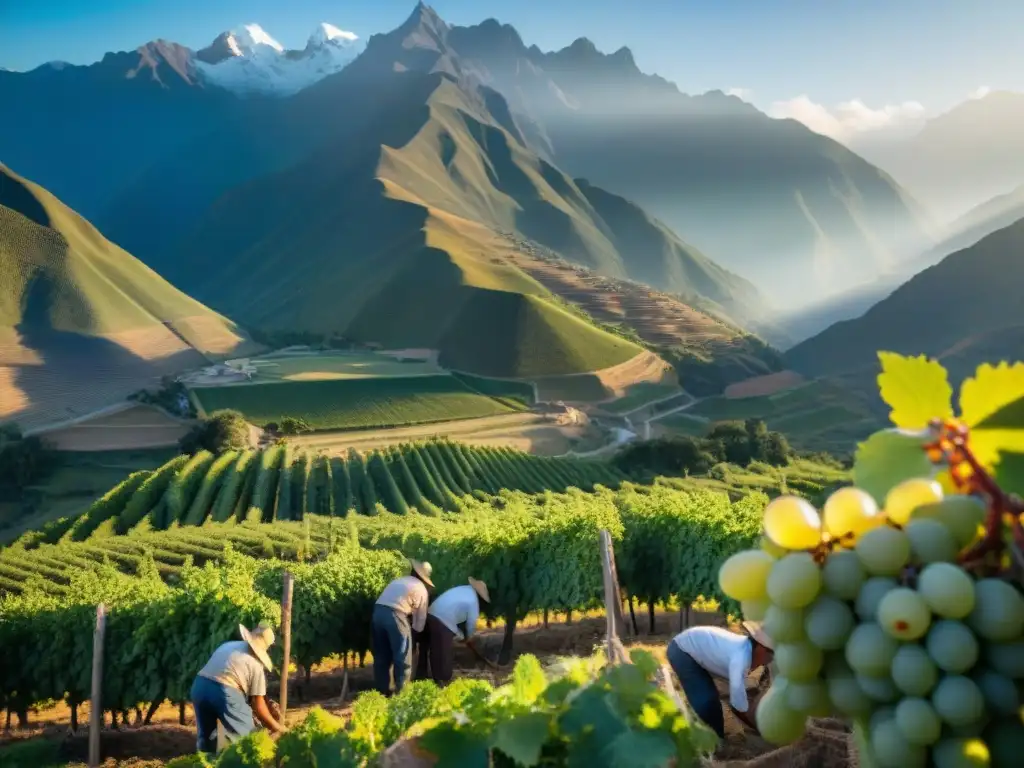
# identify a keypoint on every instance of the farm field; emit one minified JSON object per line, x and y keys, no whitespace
{"x":817,"y":415}
{"x":530,"y":432}
{"x":358,"y":403}
{"x":639,"y":395}
{"x":131,"y":427}
{"x":315,"y":366}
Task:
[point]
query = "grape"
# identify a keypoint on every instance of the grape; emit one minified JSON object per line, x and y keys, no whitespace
{"x":847,"y":696}
{"x":835,"y":665}
{"x":931,"y":541}
{"x":754,"y":610}
{"x":960,"y":753}
{"x":903,"y":614}
{"x":913,"y":670}
{"x":773,"y":549}
{"x":776,"y":721}
{"x":870,"y":650}
{"x":880,"y":715}
{"x":842,"y":575}
{"x":794,"y":581}
{"x":947,"y":590}
{"x":784,"y":625}
{"x":902,"y":500}
{"x":810,"y":698}
{"x":998,"y":611}
{"x":883,"y":551}
{"x":862,"y":741}
{"x":918,"y":722}
{"x":1005,"y":740}
{"x":1006,"y":658}
{"x":1000,"y":694}
{"x":850,"y":511}
{"x":828,"y":623}
{"x":798,"y":662}
{"x":871,"y":595}
{"x":878,"y":688}
{"x":959,"y":513}
{"x":958,"y":700}
{"x":952,"y":646}
{"x":892,"y":750}
{"x":744,"y":576}
{"x":792,"y":523}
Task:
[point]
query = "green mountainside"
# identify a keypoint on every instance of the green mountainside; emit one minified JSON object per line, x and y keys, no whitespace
{"x":82,"y":322}
{"x":965,"y":310}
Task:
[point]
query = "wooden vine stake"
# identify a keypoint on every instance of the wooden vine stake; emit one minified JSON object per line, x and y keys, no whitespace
{"x":286,"y":631}
{"x":96,"y":699}
{"x":612,"y":602}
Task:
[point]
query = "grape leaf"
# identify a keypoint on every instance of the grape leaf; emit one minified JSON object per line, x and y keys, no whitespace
{"x":523,"y":737}
{"x":456,"y":747}
{"x":640,"y":749}
{"x":915,"y":388}
{"x":992,"y":405}
{"x":1009,"y":472}
{"x":887,"y":458}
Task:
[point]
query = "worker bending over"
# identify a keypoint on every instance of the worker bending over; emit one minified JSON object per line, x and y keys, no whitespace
{"x":401,"y":610}
{"x":454,"y":614}
{"x":235,"y":675}
{"x":700,"y":654}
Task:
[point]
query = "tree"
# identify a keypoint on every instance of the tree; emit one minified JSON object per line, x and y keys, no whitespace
{"x":731,"y":442}
{"x":666,"y":455}
{"x":221,"y":431}
{"x":23,"y":460}
{"x":294,"y":426}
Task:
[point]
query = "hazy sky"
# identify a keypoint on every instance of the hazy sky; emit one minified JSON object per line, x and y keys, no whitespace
{"x":839,"y":65}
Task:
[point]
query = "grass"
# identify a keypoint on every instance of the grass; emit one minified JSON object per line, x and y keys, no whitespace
{"x":337,"y":365}
{"x":804,"y":477}
{"x":818,"y":415}
{"x":355,"y":403}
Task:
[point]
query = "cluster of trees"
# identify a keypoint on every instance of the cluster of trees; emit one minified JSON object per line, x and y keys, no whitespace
{"x":735,"y":442}
{"x":23,"y":461}
{"x":172,"y":397}
{"x":224,"y":430}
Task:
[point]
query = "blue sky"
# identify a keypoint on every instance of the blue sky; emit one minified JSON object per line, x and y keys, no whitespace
{"x":880,"y":52}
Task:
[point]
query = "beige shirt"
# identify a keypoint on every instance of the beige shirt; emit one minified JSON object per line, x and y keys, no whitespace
{"x":408,"y":596}
{"x":234,"y":665}
{"x":726,"y":655}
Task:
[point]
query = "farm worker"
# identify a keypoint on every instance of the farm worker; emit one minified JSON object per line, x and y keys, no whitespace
{"x":401,"y":610}
{"x":699,"y":654}
{"x":460,"y":605}
{"x":235,"y":673}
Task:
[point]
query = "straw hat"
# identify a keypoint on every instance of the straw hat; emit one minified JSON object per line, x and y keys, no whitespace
{"x":259,"y":639}
{"x":423,"y":570}
{"x":753,"y":628}
{"x":480,"y":588}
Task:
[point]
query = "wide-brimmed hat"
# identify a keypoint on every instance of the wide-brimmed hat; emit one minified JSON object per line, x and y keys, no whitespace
{"x":757,"y":633}
{"x":480,"y":588}
{"x":259,"y":639}
{"x":423,"y":570}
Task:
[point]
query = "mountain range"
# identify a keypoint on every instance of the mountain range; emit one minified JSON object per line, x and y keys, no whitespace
{"x":157,"y":142}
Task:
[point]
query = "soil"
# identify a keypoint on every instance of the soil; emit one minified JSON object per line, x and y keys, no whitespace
{"x":826,"y":745}
{"x":761,"y":386}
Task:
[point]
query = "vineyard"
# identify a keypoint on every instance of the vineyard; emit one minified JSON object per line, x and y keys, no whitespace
{"x":536,"y":552}
{"x":364,"y":403}
{"x":280,"y":483}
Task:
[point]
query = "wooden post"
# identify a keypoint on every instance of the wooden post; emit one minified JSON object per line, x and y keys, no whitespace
{"x":286,"y":630}
{"x":612,"y":602}
{"x":96,"y":698}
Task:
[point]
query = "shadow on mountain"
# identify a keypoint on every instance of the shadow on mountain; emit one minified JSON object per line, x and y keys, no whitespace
{"x":17,"y":197}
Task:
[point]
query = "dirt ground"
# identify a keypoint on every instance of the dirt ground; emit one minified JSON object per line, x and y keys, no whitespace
{"x":143,"y":746}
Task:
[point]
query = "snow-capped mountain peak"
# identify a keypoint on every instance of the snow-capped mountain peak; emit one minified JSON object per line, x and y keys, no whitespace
{"x":328,"y":33}
{"x":249,"y":60}
{"x":249,"y":39}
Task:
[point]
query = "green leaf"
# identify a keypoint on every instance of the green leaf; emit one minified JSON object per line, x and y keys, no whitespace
{"x":640,"y":749}
{"x":456,"y":747}
{"x":1009,"y":472}
{"x":528,"y":680}
{"x":523,"y":737}
{"x":915,"y":388}
{"x":889,"y":457}
{"x":992,"y":405}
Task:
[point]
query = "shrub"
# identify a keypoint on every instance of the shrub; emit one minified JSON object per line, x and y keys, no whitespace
{"x":221,"y":431}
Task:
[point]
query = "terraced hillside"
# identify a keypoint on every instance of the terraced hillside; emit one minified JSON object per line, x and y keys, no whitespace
{"x":83,"y":324}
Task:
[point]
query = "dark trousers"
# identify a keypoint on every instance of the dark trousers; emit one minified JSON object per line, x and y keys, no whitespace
{"x":392,"y":647}
{"x":437,"y":652}
{"x":699,"y":688}
{"x":213,"y":701}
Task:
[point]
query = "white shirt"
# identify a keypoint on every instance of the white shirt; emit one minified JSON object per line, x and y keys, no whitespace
{"x":408,"y":596}
{"x":234,"y":665}
{"x":726,"y":655}
{"x":457,"y":605}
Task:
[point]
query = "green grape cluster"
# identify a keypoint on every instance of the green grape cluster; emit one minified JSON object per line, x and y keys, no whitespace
{"x":873,"y":620}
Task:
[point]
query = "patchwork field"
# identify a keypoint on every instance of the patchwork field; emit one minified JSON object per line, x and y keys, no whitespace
{"x":817,"y":415}
{"x":643,"y":369}
{"x":132,"y":426}
{"x":356,"y":403}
